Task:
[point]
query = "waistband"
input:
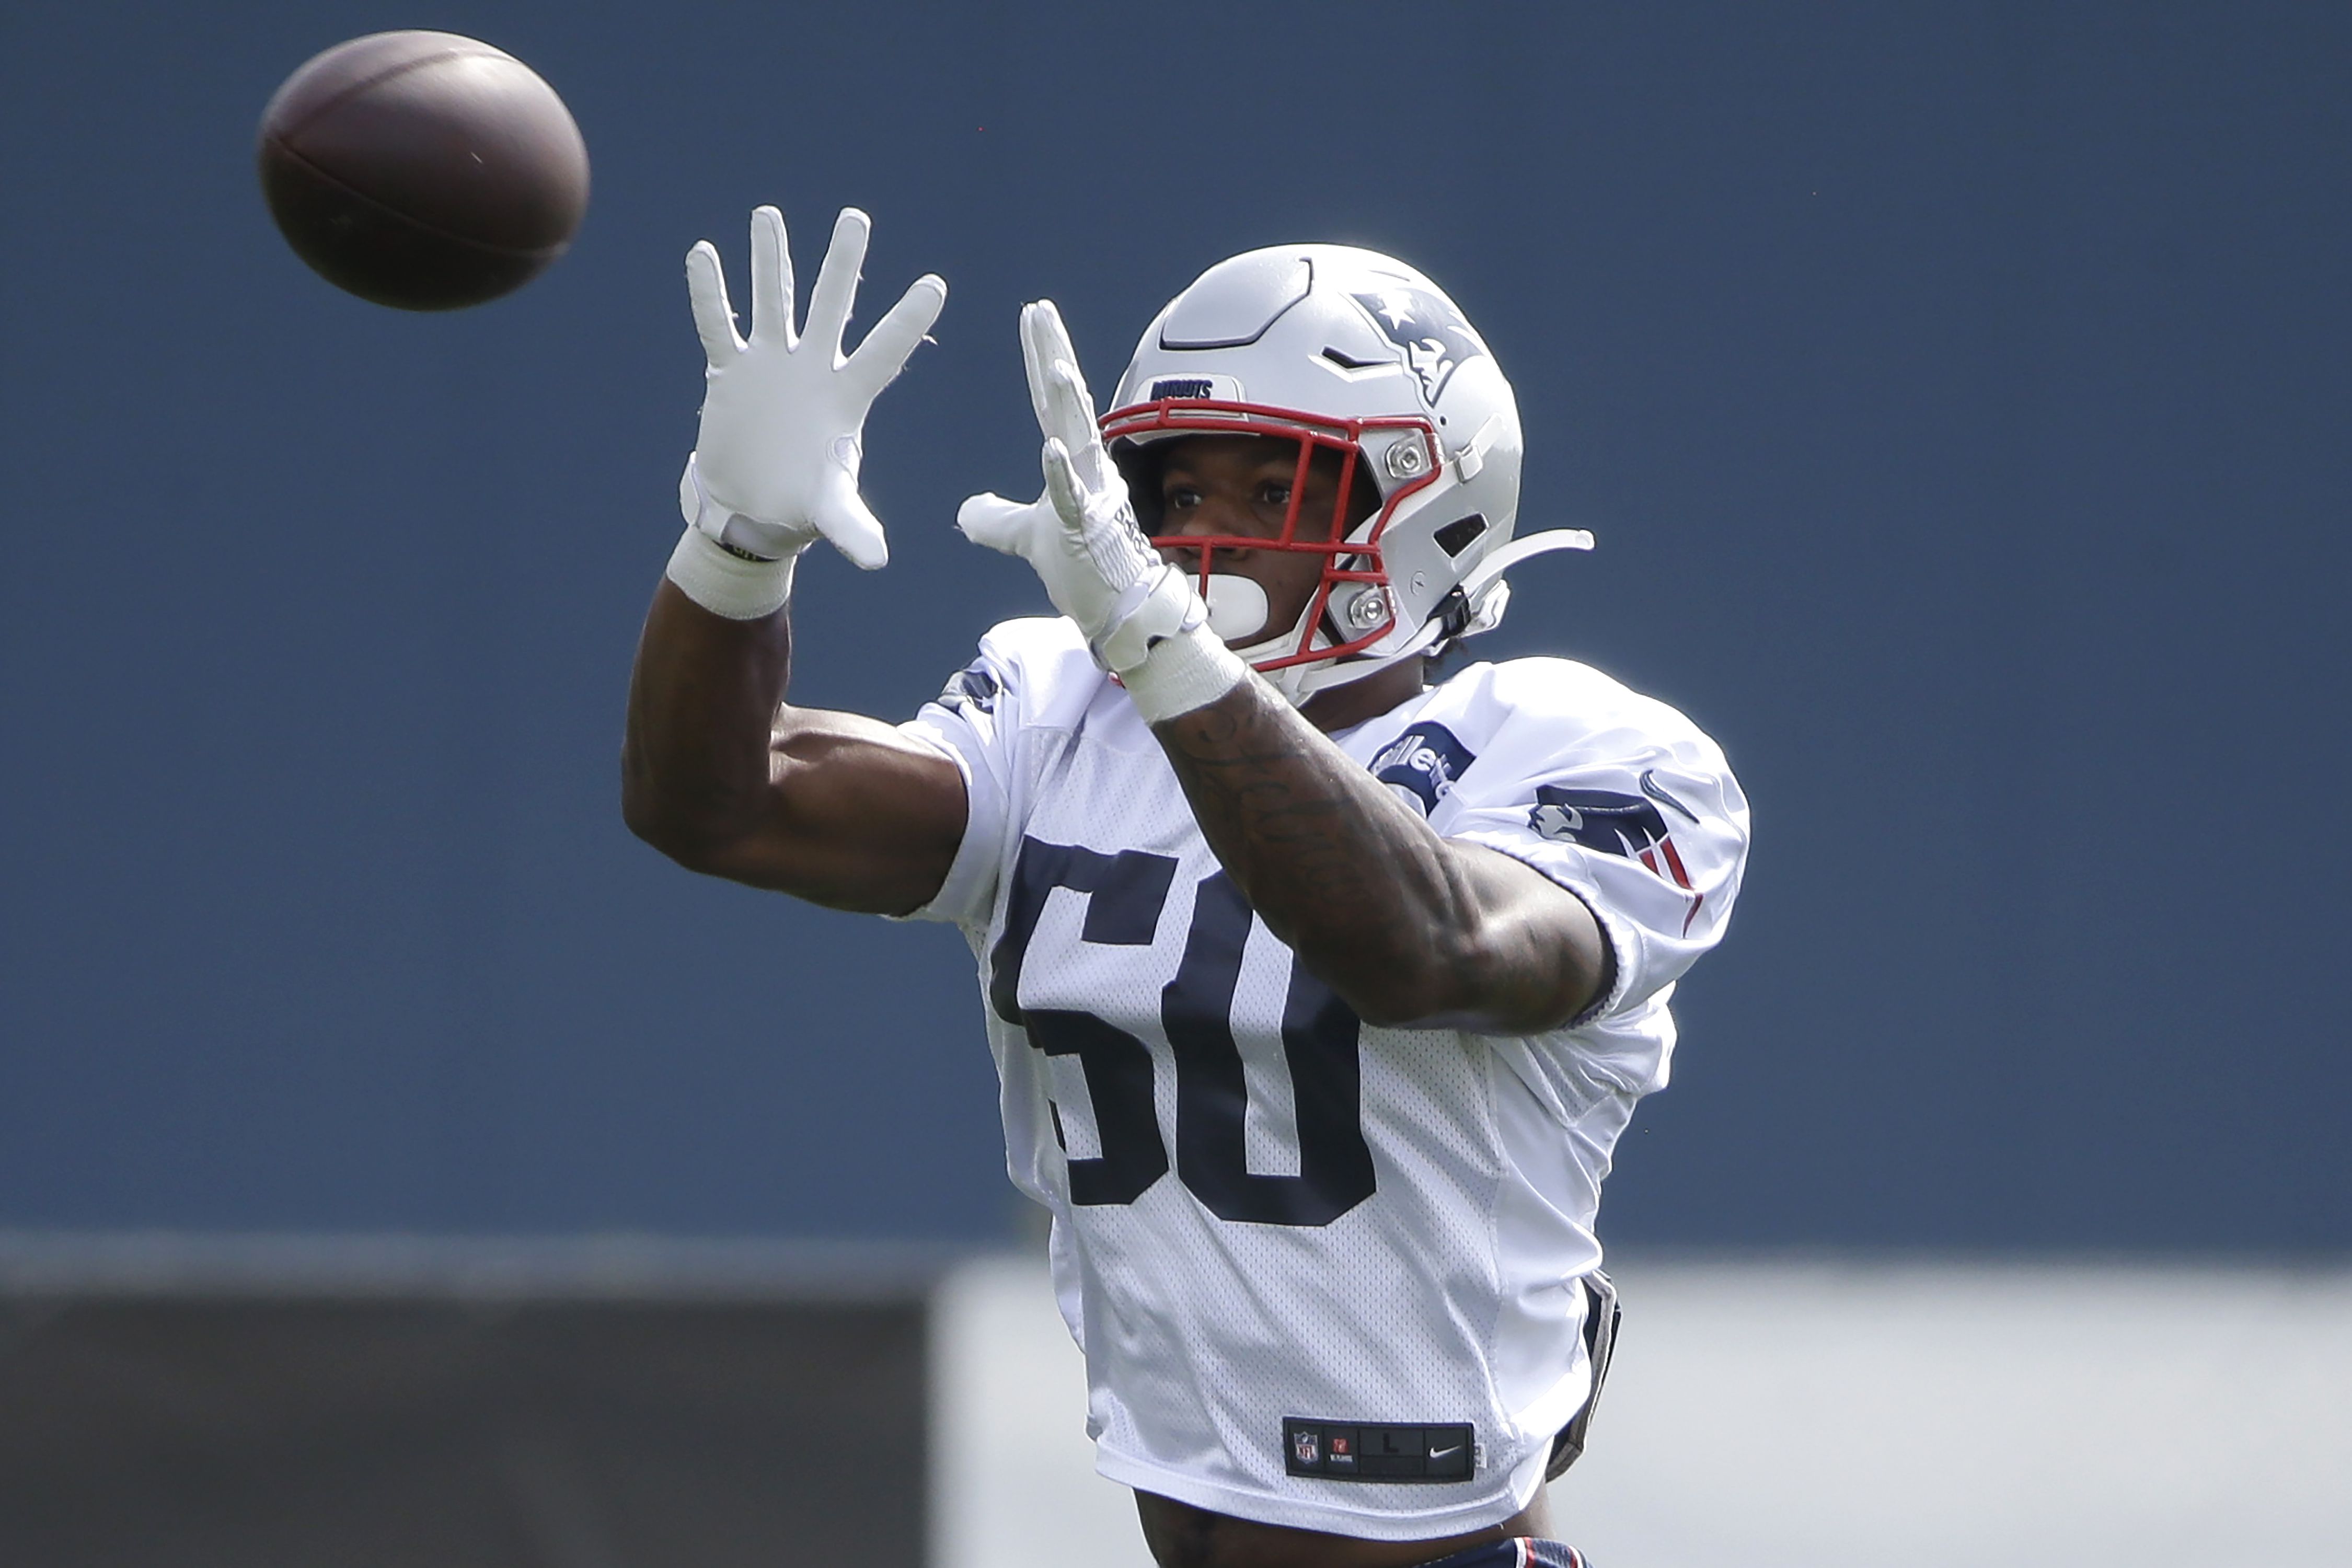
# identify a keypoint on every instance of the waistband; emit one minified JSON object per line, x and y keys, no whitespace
{"x":1519,"y":1552}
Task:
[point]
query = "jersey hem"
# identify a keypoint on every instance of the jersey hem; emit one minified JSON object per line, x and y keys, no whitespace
{"x":975,"y":851}
{"x":1428,"y":1524}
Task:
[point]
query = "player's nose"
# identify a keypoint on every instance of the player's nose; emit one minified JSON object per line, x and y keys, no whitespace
{"x":1213,"y":516}
{"x":1185,"y":558}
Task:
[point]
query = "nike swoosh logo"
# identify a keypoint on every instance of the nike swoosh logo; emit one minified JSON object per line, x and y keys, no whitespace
{"x":1657,"y":792}
{"x":1441,"y":1453}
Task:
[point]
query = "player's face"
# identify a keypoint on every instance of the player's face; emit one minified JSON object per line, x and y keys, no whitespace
{"x":1240,"y":487}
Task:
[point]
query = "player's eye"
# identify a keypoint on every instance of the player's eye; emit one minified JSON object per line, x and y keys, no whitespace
{"x":1178,"y":497}
{"x":1274,"y":493}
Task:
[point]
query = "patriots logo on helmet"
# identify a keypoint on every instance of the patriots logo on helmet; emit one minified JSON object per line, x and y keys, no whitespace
{"x":1436,"y":341}
{"x":1615,"y":824}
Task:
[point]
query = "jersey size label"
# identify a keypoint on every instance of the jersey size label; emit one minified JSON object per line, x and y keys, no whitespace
{"x":1361,"y":1451}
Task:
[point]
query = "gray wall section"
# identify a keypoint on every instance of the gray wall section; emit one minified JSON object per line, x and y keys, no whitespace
{"x":1957,"y":390}
{"x":460,"y":1409}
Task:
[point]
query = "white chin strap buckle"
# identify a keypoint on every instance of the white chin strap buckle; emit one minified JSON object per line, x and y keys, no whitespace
{"x":1236,"y":607}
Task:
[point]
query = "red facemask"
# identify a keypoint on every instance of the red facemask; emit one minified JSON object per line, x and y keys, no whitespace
{"x":1345,"y":561}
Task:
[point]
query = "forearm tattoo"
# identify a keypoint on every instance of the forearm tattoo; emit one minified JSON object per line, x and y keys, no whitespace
{"x":1331,"y":861}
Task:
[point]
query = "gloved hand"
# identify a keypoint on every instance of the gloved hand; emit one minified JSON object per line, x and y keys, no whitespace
{"x":776,"y":464}
{"x":1081,"y":535}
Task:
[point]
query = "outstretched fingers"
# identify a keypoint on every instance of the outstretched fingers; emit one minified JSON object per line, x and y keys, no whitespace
{"x":1039,"y":323}
{"x":1057,"y":389}
{"x":1046,"y":345}
{"x":1062,"y":486}
{"x":885,"y":351}
{"x":991,"y":520}
{"x":1070,"y":411}
{"x":771,"y":278}
{"x":714,"y":317}
{"x":845,"y":518}
{"x":836,"y":280}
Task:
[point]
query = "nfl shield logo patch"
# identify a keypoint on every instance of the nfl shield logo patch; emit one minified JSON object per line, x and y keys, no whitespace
{"x":1305,"y":1446}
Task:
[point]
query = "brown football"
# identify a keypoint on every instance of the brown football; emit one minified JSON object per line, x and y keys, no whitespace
{"x":423,"y":170}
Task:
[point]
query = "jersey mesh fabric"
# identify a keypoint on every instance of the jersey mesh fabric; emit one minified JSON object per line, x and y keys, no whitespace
{"x":1348,"y":1224}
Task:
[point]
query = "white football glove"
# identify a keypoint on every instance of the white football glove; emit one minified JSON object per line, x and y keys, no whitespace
{"x":775,"y":463}
{"x":1081,"y":535}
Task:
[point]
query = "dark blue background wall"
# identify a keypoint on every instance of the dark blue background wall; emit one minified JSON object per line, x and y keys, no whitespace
{"x":1959,"y":391}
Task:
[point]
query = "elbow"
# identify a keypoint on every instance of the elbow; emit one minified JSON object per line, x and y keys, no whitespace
{"x":657,"y":828}
{"x":657,"y":822}
{"x":641,"y":808}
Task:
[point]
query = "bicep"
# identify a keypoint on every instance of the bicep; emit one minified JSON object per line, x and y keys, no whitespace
{"x":858,"y":817}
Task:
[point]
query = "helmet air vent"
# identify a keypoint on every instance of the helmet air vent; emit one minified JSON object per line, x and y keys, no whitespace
{"x":1459,"y":535}
{"x":1346,"y":361}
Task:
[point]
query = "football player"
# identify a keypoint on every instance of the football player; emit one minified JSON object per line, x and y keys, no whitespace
{"x":1319,"y":993}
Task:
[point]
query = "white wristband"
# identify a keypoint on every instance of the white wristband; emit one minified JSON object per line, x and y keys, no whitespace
{"x":726,"y":584}
{"x":1151,"y":609}
{"x":1187,"y":670}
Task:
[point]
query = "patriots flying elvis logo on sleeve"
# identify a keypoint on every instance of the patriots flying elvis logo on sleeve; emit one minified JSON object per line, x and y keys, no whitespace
{"x":1436,"y":341}
{"x":1614,"y":824}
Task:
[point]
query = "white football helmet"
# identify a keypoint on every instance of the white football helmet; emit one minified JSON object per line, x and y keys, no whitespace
{"x":1334,"y":347}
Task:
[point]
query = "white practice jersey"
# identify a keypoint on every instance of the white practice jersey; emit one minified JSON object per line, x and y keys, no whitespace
{"x":1325,"y":1275}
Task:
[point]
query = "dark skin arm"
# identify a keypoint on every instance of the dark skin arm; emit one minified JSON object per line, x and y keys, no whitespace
{"x":718,"y":773}
{"x":1407,"y":927}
